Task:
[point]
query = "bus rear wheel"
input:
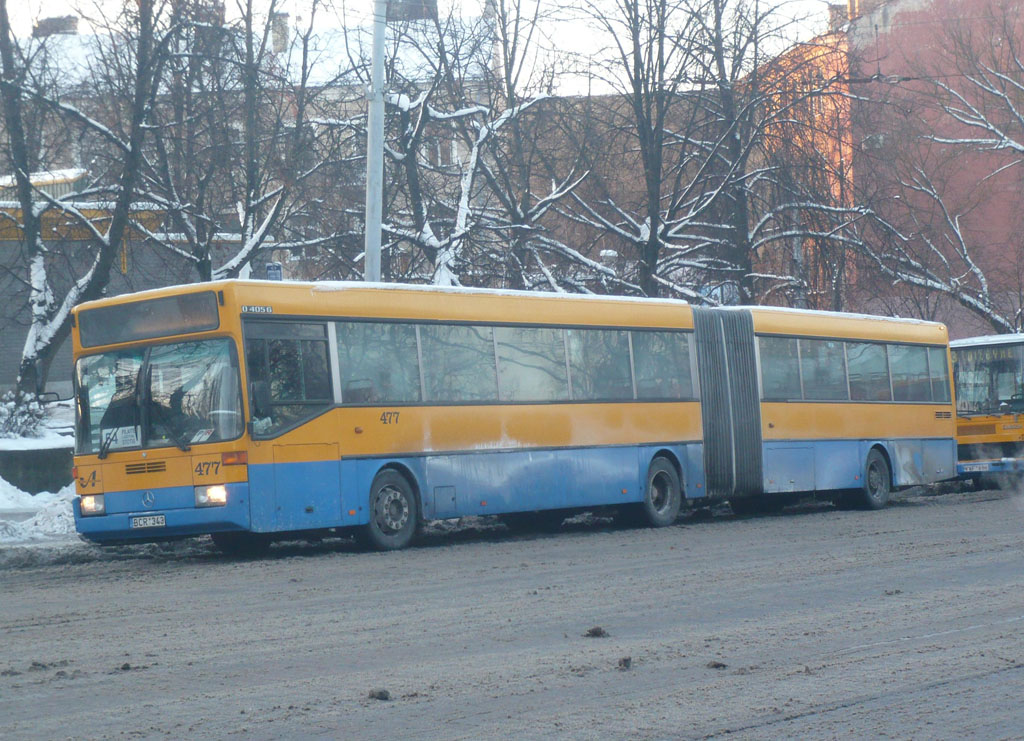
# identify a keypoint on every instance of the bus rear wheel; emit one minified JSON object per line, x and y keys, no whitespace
{"x":663,"y":496}
{"x":877,"y":481}
{"x":393,"y":512}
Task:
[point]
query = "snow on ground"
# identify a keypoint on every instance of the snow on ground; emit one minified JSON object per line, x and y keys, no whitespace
{"x":47,"y":440}
{"x":45,"y":517}
{"x":57,"y":430}
{"x":40,"y":518}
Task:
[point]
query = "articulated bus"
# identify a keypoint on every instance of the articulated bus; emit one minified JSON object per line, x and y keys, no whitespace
{"x":252,"y":410}
{"x":989,"y":380}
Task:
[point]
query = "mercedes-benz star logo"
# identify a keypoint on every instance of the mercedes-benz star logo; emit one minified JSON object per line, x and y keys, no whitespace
{"x":148,"y":499}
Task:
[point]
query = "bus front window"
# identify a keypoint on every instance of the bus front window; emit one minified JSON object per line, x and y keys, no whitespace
{"x":107,"y":408}
{"x":193,"y":394}
{"x":990,"y":379}
{"x":177,"y":394}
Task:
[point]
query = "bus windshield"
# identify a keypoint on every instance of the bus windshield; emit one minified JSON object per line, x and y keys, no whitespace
{"x":175,"y":394}
{"x":989,"y":379}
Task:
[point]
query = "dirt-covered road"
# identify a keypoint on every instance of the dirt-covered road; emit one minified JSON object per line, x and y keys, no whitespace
{"x":815,"y":623}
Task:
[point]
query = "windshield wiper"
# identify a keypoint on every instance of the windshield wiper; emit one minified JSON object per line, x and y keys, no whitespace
{"x":175,"y":436}
{"x":105,"y":444}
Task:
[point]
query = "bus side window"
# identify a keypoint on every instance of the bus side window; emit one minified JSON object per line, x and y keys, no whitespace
{"x":458,"y":363}
{"x":780,"y":368}
{"x":909,"y":367}
{"x":291,"y":358}
{"x":823,"y":370}
{"x":599,"y":364}
{"x":869,"y":371}
{"x":938,"y":369}
{"x":531,"y":364}
{"x":378,"y":362}
{"x":661,"y":361}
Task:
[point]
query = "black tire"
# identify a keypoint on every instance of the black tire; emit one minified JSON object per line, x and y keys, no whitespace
{"x":394,"y":512}
{"x":663,"y":497}
{"x":877,"y":481}
{"x":242,"y":544}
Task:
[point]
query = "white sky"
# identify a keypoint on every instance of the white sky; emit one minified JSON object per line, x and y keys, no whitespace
{"x":24,"y":13}
{"x":574,"y":42}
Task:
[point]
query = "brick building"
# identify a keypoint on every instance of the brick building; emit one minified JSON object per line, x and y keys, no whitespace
{"x":908,"y":135}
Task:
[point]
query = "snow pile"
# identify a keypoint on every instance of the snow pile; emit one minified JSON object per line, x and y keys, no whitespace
{"x":47,"y":440}
{"x":27,"y":518}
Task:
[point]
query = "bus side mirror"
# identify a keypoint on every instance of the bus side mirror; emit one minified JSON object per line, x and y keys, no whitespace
{"x":260,"y":398}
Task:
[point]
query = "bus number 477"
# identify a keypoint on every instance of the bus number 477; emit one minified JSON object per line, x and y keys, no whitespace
{"x":207,"y":468}
{"x":389,"y":418}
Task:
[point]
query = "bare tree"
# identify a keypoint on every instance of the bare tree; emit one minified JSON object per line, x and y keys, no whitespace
{"x":950,"y":143}
{"x":246,"y":142}
{"x":127,"y":60}
{"x":652,"y":68}
{"x":471,"y":169}
{"x":720,"y":126}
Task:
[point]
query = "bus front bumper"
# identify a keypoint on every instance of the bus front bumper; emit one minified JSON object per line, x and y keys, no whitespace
{"x":160,"y":514}
{"x":994,"y":465}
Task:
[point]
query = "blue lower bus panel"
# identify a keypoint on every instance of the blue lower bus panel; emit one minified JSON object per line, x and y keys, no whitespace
{"x":169,"y":512}
{"x":462,"y":484}
{"x":828,"y":465}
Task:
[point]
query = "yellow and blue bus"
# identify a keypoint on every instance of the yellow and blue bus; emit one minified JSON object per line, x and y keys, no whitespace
{"x":252,"y":410}
{"x":989,"y":382}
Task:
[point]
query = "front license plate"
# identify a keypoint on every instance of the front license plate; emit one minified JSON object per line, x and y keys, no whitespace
{"x":149,"y":521}
{"x":975,"y":466}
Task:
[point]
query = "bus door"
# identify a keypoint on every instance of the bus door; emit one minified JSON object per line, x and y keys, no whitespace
{"x":307,"y":486}
{"x":730,"y":403}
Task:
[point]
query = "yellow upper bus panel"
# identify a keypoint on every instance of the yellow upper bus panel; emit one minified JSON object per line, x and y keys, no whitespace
{"x":800,"y":322}
{"x":394,"y":301}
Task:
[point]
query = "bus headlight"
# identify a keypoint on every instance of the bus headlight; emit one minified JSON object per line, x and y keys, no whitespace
{"x":211,"y":496}
{"x":92,"y":504}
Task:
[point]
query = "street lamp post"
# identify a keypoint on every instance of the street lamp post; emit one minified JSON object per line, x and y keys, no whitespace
{"x":398,"y":10}
{"x":375,"y":147}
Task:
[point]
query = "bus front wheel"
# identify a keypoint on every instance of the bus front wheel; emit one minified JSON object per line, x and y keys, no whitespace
{"x":663,"y":497}
{"x":393,"y":512}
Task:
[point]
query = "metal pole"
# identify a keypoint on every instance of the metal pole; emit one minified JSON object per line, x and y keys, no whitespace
{"x":375,"y":147}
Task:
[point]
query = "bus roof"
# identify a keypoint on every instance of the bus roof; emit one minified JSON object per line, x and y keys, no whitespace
{"x":989,"y":339}
{"x":407,"y":301}
{"x":339,"y":286}
{"x":414,"y":302}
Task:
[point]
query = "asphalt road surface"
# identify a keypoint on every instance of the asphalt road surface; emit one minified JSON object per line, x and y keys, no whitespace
{"x":814,"y":623}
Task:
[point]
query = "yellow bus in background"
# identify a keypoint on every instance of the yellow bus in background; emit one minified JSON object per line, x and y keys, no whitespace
{"x":989,"y":376}
{"x":252,"y":410}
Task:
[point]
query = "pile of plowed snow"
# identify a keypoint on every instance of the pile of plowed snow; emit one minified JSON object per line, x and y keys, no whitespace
{"x":45,"y":517}
{"x":32,"y":518}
